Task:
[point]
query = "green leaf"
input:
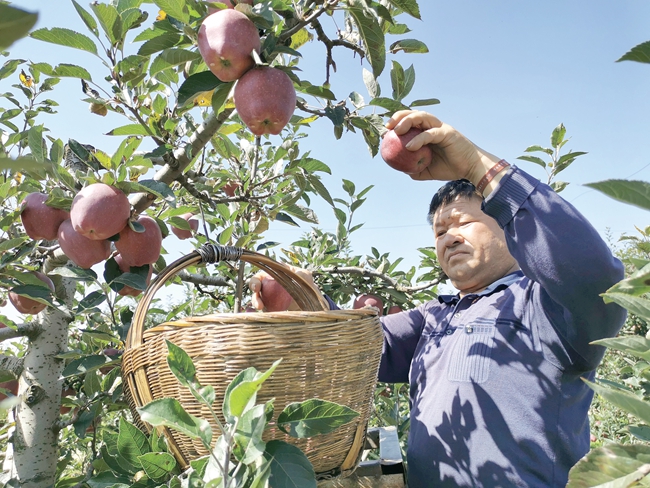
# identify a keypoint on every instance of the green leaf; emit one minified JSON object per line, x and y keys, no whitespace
{"x":168,"y":412}
{"x":220,"y":96}
{"x":161,"y":190}
{"x":14,"y":24}
{"x":409,"y":6}
{"x":157,"y":465}
{"x":371,"y":83}
{"x":249,"y":446}
{"x":174,"y":8}
{"x":371,"y":34}
{"x":92,"y":300}
{"x":636,"y":305}
{"x":36,"y":143}
{"x":88,"y":19}
{"x":72,"y":71}
{"x":9,"y":68}
{"x":627,"y":191}
{"x":242,"y":390}
{"x":388,"y":103}
{"x":408,"y":46}
{"x":130,"y":130}
{"x":180,"y":364}
{"x":110,"y":20}
{"x":159,"y":43}
{"x":635,"y":345}
{"x":639,"y":53}
{"x":611,"y":466}
{"x":41,"y":294}
{"x":106,"y":479}
{"x":65,"y":37}
{"x":627,"y":401}
{"x":557,"y":136}
{"x":536,"y":148}
{"x":533,"y":159}
{"x":290,"y":468}
{"x":172,"y":57}
{"x":314,"y":417}
{"x":317,"y":91}
{"x":195,"y":84}
{"x":85,"y":365}
{"x":424,"y":102}
{"x":349,"y":187}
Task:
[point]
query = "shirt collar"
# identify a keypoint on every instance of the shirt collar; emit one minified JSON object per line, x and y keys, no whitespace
{"x":500,"y":284}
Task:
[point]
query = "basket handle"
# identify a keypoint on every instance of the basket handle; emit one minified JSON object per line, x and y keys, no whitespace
{"x":305,"y":295}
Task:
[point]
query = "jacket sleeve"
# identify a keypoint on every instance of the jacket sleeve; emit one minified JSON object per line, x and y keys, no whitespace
{"x":558,"y":249}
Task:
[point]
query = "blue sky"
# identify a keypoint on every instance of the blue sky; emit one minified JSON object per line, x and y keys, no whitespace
{"x":506,"y":72}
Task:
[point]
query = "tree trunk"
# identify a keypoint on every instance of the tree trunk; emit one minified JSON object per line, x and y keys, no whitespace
{"x":33,"y":452}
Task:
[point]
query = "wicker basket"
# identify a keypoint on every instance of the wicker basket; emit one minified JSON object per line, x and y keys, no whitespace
{"x":328,"y":354}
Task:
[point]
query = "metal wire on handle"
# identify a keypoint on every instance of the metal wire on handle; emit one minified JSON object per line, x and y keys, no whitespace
{"x":328,"y":354}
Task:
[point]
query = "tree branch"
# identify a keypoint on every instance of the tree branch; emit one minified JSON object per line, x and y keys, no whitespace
{"x":289,"y":32}
{"x":183,"y":157}
{"x":369,"y":273}
{"x":12,"y":364}
{"x":22,"y":330}
{"x":199,"y":279}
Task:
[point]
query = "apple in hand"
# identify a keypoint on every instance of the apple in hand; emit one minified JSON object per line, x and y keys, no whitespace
{"x":393,"y":151}
{"x":27,"y":305}
{"x":226,"y":41}
{"x":184,"y":233}
{"x":369,"y":300}
{"x":265,"y":100}
{"x":274,"y":296}
{"x":39,"y":220}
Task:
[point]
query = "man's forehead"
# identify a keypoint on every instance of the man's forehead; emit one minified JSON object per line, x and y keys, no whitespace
{"x":459,"y":206}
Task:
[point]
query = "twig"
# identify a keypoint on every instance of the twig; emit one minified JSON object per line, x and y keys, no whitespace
{"x":289,"y":32}
{"x":191,"y":189}
{"x":22,"y":330}
{"x":368,"y":273}
{"x":199,"y":279}
{"x":329,"y":44}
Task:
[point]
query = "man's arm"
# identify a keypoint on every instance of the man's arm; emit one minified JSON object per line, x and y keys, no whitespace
{"x":558,"y":248}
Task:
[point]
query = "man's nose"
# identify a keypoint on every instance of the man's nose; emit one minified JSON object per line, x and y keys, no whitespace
{"x":452,"y":239}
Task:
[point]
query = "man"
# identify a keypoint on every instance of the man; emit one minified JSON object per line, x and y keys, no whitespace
{"x":495,"y":372}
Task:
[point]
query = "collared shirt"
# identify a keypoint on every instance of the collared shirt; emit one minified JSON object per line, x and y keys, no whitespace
{"x":496,"y":392}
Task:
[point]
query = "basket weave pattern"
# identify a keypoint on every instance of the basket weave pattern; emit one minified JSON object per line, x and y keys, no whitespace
{"x":331,"y":355}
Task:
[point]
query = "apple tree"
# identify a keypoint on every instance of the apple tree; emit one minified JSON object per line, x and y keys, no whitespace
{"x":199,"y":154}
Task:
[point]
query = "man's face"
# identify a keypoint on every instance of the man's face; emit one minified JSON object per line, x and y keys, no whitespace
{"x":471,"y":246}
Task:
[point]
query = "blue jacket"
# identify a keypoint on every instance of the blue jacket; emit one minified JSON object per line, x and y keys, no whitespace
{"x":496,"y":390}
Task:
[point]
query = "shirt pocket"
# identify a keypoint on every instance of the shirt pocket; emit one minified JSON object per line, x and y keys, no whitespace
{"x":472,"y":352}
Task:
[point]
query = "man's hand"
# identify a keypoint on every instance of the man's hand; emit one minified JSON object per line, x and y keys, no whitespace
{"x":454,"y":156}
{"x":276,"y":301}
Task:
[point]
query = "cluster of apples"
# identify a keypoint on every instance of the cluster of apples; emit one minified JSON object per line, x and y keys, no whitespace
{"x":265,"y":98}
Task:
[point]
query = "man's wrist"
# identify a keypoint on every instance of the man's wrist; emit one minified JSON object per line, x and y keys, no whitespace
{"x":488,"y":173}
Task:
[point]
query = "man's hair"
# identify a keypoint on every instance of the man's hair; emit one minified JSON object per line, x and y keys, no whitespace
{"x":449,"y":192}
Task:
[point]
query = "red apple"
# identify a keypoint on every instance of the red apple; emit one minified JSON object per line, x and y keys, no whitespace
{"x":140,"y":248}
{"x":226,"y":40}
{"x":27,"y":305}
{"x":184,"y":233}
{"x":125,"y":268}
{"x":369,"y":300}
{"x":274,"y":296}
{"x":39,"y":220}
{"x":82,"y":251}
{"x":394,"y":309}
{"x":265,"y":100}
{"x":99,"y":211}
{"x":394,"y":152}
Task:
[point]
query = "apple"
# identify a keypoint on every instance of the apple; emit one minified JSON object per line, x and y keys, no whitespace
{"x":140,"y":248}
{"x":265,"y":100}
{"x":80,"y":250}
{"x":125,"y":268}
{"x":39,"y":220}
{"x":367,"y":300}
{"x":113,"y":354}
{"x":394,"y":309}
{"x":99,"y":211}
{"x":226,"y":40}
{"x":184,"y":233}
{"x":27,"y":305}
{"x":66,"y":392}
{"x":230,"y":188}
{"x":274,"y":296}
{"x":393,"y":151}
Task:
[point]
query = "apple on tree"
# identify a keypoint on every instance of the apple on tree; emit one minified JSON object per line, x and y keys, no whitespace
{"x":393,"y":151}
{"x":99,"y":211}
{"x":265,"y":100}
{"x":368,"y":300}
{"x":39,"y":220}
{"x":127,"y":290}
{"x":185,"y":233}
{"x":82,"y":251}
{"x":226,"y":41}
{"x":28,"y":305}
{"x":140,"y":248}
